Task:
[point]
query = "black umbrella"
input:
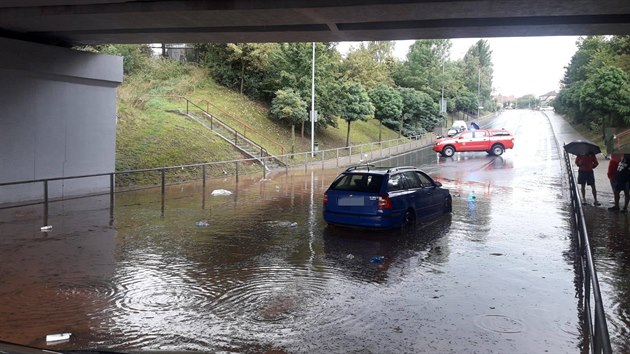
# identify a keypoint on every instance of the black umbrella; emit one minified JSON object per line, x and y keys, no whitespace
{"x":582,"y":147}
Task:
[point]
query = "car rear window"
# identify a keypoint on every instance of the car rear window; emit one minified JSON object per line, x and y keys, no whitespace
{"x":501,"y":133}
{"x":359,"y":182}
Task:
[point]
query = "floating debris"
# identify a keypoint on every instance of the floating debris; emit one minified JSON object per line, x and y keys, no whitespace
{"x":282,"y":223}
{"x":202,"y":223}
{"x":377,"y":259}
{"x":58,"y":337}
{"x":220,"y":192}
{"x":45,"y":228}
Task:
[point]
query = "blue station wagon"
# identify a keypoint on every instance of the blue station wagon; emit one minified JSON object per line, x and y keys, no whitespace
{"x":384,"y":197}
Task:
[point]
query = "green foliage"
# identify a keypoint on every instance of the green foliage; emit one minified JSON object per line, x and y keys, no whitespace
{"x":289,"y":106}
{"x":355,"y":104}
{"x":607,"y":92}
{"x":240,"y":66}
{"x":527,"y":101}
{"x":596,"y":87}
{"x":292,"y":68}
{"x":419,"y":113}
{"x":478,"y":72}
{"x":371,"y":64}
{"x":387,"y":102}
{"x":466,"y":102}
{"x":423,"y":68}
{"x":260,"y":70}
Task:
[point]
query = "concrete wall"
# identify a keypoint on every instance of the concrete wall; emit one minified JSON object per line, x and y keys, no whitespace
{"x":57,"y":119}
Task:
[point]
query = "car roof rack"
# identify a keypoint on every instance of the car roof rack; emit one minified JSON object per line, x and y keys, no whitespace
{"x":401,"y":168}
{"x":356,"y":167}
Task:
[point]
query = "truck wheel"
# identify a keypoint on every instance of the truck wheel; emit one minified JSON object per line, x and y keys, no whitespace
{"x":497,"y":150}
{"x":448,"y":151}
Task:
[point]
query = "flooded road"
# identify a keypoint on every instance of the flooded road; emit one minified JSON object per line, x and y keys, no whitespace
{"x":258,"y":270}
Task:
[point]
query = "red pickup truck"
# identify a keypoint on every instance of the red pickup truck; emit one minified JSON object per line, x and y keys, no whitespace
{"x":492,"y":141}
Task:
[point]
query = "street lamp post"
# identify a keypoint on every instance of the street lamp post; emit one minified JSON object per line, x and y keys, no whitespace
{"x":478,"y":90}
{"x":313,"y":105}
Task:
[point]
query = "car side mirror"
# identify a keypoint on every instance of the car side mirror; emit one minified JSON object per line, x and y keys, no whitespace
{"x":461,"y":137}
{"x":438,"y":184}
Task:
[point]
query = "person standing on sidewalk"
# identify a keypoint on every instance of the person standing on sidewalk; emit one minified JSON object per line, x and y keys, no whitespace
{"x":623,"y":180}
{"x":612,"y":176}
{"x":586,"y":164}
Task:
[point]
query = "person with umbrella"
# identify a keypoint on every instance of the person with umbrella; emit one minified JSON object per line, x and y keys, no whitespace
{"x":586,"y":164}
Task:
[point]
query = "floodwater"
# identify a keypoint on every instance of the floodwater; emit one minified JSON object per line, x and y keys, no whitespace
{"x":259,"y":271}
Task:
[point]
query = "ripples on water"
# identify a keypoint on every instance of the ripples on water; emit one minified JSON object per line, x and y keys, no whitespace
{"x":253,"y":281}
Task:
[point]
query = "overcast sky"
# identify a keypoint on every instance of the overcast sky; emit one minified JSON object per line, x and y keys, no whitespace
{"x":523,"y":65}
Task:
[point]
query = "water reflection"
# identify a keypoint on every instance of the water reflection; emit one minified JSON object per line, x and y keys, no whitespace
{"x":357,"y":252}
{"x":266,"y":273}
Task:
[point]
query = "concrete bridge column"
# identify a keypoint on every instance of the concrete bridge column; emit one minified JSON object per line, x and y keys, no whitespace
{"x":57,"y":118}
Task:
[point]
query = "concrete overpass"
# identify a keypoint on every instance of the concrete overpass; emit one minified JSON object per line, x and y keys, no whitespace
{"x":72,"y":22}
{"x":59,"y":105}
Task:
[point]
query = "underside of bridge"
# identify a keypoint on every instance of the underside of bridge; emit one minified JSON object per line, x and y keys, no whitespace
{"x":73,"y":22}
{"x":59,"y":104}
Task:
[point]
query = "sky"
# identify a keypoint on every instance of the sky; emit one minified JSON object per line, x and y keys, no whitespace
{"x":522,"y":65}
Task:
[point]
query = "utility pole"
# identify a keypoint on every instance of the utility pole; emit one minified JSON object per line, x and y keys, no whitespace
{"x":478,"y":90}
{"x":442,"y":108}
{"x":313,"y":105}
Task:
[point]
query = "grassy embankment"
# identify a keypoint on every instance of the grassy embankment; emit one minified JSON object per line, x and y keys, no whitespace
{"x":149,"y":136}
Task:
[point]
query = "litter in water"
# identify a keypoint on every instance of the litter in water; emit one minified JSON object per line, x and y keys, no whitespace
{"x":281,"y":223}
{"x":350,"y":256}
{"x":202,"y":223}
{"x":219,"y":192}
{"x":377,"y":259}
{"x":46,"y":228}
{"x":58,"y":337}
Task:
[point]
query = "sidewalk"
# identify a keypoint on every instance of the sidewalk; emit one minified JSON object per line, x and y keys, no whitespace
{"x":565,"y":133}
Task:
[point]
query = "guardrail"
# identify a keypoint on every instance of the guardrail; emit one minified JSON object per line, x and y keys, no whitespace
{"x":593,"y":309}
{"x":332,"y":158}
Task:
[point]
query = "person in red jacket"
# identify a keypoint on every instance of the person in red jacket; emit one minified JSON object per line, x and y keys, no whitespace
{"x":612,"y":176}
{"x":586,"y":164}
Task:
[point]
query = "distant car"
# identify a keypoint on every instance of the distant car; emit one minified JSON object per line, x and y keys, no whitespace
{"x":458,"y":127}
{"x":384,"y":197}
{"x":492,"y":141}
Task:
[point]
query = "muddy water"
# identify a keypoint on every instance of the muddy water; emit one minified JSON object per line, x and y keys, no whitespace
{"x":258,"y":270}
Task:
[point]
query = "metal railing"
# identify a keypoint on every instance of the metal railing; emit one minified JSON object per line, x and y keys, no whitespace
{"x":245,"y":127}
{"x":594,"y":315}
{"x":327,"y":158}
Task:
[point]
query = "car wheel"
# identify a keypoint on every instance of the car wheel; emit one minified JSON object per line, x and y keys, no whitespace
{"x":497,"y":150}
{"x":448,"y":151}
{"x":448,"y":204}
{"x":409,"y":220}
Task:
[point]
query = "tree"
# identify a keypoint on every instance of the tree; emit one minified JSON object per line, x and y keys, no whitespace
{"x":606,"y":92}
{"x":251,"y":56}
{"x":370,"y":64}
{"x":290,"y":107}
{"x":291,"y":68}
{"x":241,"y":66}
{"x":466,"y":102}
{"x":594,"y":86}
{"x":423,"y":68}
{"x":355,"y":105}
{"x":419,"y":112}
{"x":527,"y":101}
{"x":387,"y":103}
{"x":478,"y":71}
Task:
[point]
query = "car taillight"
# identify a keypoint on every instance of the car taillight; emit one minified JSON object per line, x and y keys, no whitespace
{"x":325,"y":199}
{"x":384,"y":202}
